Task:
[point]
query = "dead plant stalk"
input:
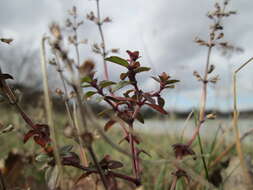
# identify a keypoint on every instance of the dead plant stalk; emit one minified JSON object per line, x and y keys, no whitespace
{"x":235,"y":125}
{"x":48,"y":105}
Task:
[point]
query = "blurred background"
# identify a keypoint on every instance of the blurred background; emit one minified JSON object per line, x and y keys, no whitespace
{"x":163,"y":32}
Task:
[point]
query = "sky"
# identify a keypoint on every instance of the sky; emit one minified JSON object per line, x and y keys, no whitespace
{"x":162,"y":30}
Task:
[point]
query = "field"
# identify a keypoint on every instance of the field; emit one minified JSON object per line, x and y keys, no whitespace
{"x":156,"y":135}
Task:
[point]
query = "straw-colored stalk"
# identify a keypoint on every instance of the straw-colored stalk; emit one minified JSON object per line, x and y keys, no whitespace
{"x":236,"y":129}
{"x":49,"y":112}
{"x":81,"y":147}
{"x":229,"y":148}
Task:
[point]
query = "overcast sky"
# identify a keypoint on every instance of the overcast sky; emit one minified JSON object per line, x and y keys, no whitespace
{"x":163,"y":32}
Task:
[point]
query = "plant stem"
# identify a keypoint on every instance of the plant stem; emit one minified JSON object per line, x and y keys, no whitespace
{"x":202,"y":108}
{"x":76,"y":44}
{"x":174,"y":183}
{"x":89,"y":146}
{"x":99,"y":24}
{"x":236,"y":130}
{"x":133,"y":151}
{"x":202,"y":157}
{"x":201,"y":148}
{"x":49,"y":113}
{"x":70,"y":114}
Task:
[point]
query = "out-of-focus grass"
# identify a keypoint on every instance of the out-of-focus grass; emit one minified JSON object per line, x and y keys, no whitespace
{"x":157,"y":169}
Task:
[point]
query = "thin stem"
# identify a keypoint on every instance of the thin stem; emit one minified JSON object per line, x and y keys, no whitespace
{"x":203,"y":99}
{"x":80,"y":141}
{"x":48,"y":105}
{"x":76,"y":44}
{"x":201,"y":148}
{"x":97,"y":165}
{"x":89,"y":147}
{"x":69,"y":112}
{"x":99,"y":24}
{"x":202,"y":157}
{"x":134,"y":152}
{"x":236,"y":130}
{"x":174,"y":183}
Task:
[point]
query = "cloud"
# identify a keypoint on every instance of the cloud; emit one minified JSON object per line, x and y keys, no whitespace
{"x":163,"y":31}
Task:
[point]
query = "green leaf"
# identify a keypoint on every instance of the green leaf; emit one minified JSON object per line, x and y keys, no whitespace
{"x":66,"y":149}
{"x":172,"y":81}
{"x":160,"y":101}
{"x":141,"y":69}
{"x":106,"y":83}
{"x":42,"y":158}
{"x":170,"y":86}
{"x":87,"y":79}
{"x":85,"y":85}
{"x":118,"y":60}
{"x":89,"y":94}
{"x":120,"y":85}
{"x":201,"y":146}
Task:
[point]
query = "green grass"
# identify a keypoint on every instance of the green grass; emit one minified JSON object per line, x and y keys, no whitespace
{"x":156,"y":169}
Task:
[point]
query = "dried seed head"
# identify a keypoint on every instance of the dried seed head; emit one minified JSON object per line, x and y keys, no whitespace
{"x":107,"y":19}
{"x":56,"y":31}
{"x":182,"y":150}
{"x":69,"y":131}
{"x":52,"y":61}
{"x":214,"y":79}
{"x":72,"y":94}
{"x":211,"y":116}
{"x":59,"y":92}
{"x":68,"y":23}
{"x":200,"y":41}
{"x":73,"y":11}
{"x":87,"y":68}
{"x":91,"y":16}
{"x":87,"y":138}
{"x":96,"y":49}
{"x":211,"y":69}
{"x":221,"y":35}
{"x":6,"y":40}
{"x":72,"y":39}
{"x":164,"y":76}
{"x":197,"y":75}
{"x":115,"y":50}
